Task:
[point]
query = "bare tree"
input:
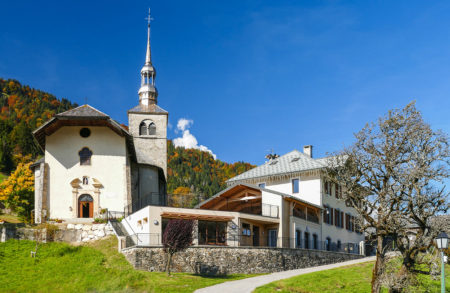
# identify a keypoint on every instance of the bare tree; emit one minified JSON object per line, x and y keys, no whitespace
{"x":177,"y":237}
{"x":390,"y":175}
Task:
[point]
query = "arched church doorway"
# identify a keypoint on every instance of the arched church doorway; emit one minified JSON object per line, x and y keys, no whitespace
{"x":85,"y":206}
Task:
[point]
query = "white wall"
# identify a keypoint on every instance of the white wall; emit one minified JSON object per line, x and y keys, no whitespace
{"x":108,"y":165}
{"x":309,"y":188}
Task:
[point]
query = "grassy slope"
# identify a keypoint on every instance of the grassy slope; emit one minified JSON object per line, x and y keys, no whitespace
{"x":355,"y":278}
{"x":60,"y":267}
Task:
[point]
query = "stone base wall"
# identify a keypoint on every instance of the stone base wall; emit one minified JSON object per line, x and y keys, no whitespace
{"x":66,"y":233}
{"x":236,"y":260}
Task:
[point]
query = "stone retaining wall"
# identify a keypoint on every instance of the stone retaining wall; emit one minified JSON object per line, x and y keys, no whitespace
{"x":71,"y":233}
{"x":233,"y":260}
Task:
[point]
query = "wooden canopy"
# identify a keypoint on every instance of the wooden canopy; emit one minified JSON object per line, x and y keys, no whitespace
{"x":188,"y":216}
{"x":235,"y":198}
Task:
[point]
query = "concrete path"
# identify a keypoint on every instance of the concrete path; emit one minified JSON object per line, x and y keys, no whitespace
{"x":250,"y":284}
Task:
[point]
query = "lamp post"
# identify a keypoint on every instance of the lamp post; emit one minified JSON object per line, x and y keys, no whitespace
{"x":442,"y":244}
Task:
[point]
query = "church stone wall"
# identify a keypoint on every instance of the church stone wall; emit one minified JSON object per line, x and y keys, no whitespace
{"x":150,"y":149}
{"x":108,"y":165}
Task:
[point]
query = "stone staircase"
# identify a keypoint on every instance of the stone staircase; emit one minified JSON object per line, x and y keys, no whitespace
{"x":125,"y":239}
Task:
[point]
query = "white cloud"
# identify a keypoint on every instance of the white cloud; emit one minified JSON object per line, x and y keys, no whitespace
{"x":188,"y":140}
{"x":184,"y":123}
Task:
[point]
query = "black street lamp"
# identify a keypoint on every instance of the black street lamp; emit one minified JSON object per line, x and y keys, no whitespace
{"x":442,"y":244}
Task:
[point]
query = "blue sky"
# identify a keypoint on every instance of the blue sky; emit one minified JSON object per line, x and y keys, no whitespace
{"x":251,"y":75}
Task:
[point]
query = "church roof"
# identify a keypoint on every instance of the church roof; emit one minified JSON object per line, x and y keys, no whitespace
{"x":83,"y":111}
{"x":152,"y":108}
{"x":291,"y":162}
{"x":84,"y":115}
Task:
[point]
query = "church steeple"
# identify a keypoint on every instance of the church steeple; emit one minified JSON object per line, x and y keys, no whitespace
{"x":148,"y":92}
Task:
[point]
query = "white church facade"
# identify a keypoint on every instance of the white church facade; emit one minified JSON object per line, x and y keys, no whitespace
{"x":91,"y":163}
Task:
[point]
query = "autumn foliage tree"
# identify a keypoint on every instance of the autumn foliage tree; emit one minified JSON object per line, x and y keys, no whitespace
{"x":177,"y":237}
{"x":23,"y":109}
{"x":17,"y":191}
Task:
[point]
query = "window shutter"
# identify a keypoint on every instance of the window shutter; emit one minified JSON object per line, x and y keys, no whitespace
{"x":336,"y":218}
{"x":326,"y":187}
{"x":353,"y":224}
{"x":331,"y":216}
{"x":342,"y":220}
{"x":325,"y":215}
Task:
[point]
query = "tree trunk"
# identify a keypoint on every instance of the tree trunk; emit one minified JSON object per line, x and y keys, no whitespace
{"x":378,"y":268}
{"x":169,"y":263}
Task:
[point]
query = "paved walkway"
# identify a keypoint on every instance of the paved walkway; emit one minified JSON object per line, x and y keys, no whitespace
{"x":250,"y":284}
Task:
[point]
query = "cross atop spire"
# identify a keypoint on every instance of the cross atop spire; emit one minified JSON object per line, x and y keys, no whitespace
{"x":149,"y":17}
{"x":148,"y":56}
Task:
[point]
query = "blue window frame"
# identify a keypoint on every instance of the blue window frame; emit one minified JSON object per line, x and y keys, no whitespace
{"x":295,"y":186}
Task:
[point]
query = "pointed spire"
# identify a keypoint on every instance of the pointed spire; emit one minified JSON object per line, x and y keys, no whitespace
{"x":148,"y":92}
{"x":148,"y":56}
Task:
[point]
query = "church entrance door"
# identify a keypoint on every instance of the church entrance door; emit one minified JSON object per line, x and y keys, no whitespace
{"x":85,"y":206}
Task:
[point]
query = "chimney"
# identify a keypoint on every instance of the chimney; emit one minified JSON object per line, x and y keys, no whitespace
{"x":307,"y":150}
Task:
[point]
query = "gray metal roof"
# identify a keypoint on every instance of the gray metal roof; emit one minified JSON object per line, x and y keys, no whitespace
{"x":294,"y":161}
{"x":153,"y":108}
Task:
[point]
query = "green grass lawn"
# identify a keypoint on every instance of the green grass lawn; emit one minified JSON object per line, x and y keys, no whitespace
{"x":355,"y":278}
{"x":60,"y":267}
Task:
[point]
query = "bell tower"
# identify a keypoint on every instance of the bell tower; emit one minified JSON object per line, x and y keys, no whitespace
{"x":147,"y":121}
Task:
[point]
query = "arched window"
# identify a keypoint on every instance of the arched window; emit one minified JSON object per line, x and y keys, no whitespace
{"x":85,"y":180}
{"x":142,"y":128}
{"x":152,"y":129}
{"x":85,"y":156}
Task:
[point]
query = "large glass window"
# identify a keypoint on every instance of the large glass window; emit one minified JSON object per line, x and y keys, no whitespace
{"x":212,"y":233}
{"x":295,"y":186}
{"x":312,"y":215}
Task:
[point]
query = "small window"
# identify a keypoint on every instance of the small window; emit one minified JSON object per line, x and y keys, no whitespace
{"x":295,"y":185}
{"x":152,"y":129}
{"x":315,"y":242}
{"x":246,"y":229}
{"x":262,"y":185}
{"x":298,"y":239}
{"x":85,"y":132}
{"x":85,"y":180}
{"x":142,"y":128}
{"x":328,"y":243}
{"x":85,"y":156}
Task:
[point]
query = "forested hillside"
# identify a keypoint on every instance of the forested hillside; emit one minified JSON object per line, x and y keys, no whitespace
{"x":23,"y":109}
{"x":197,"y":172}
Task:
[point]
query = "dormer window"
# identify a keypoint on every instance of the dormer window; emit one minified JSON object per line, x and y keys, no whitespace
{"x":85,"y":156}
